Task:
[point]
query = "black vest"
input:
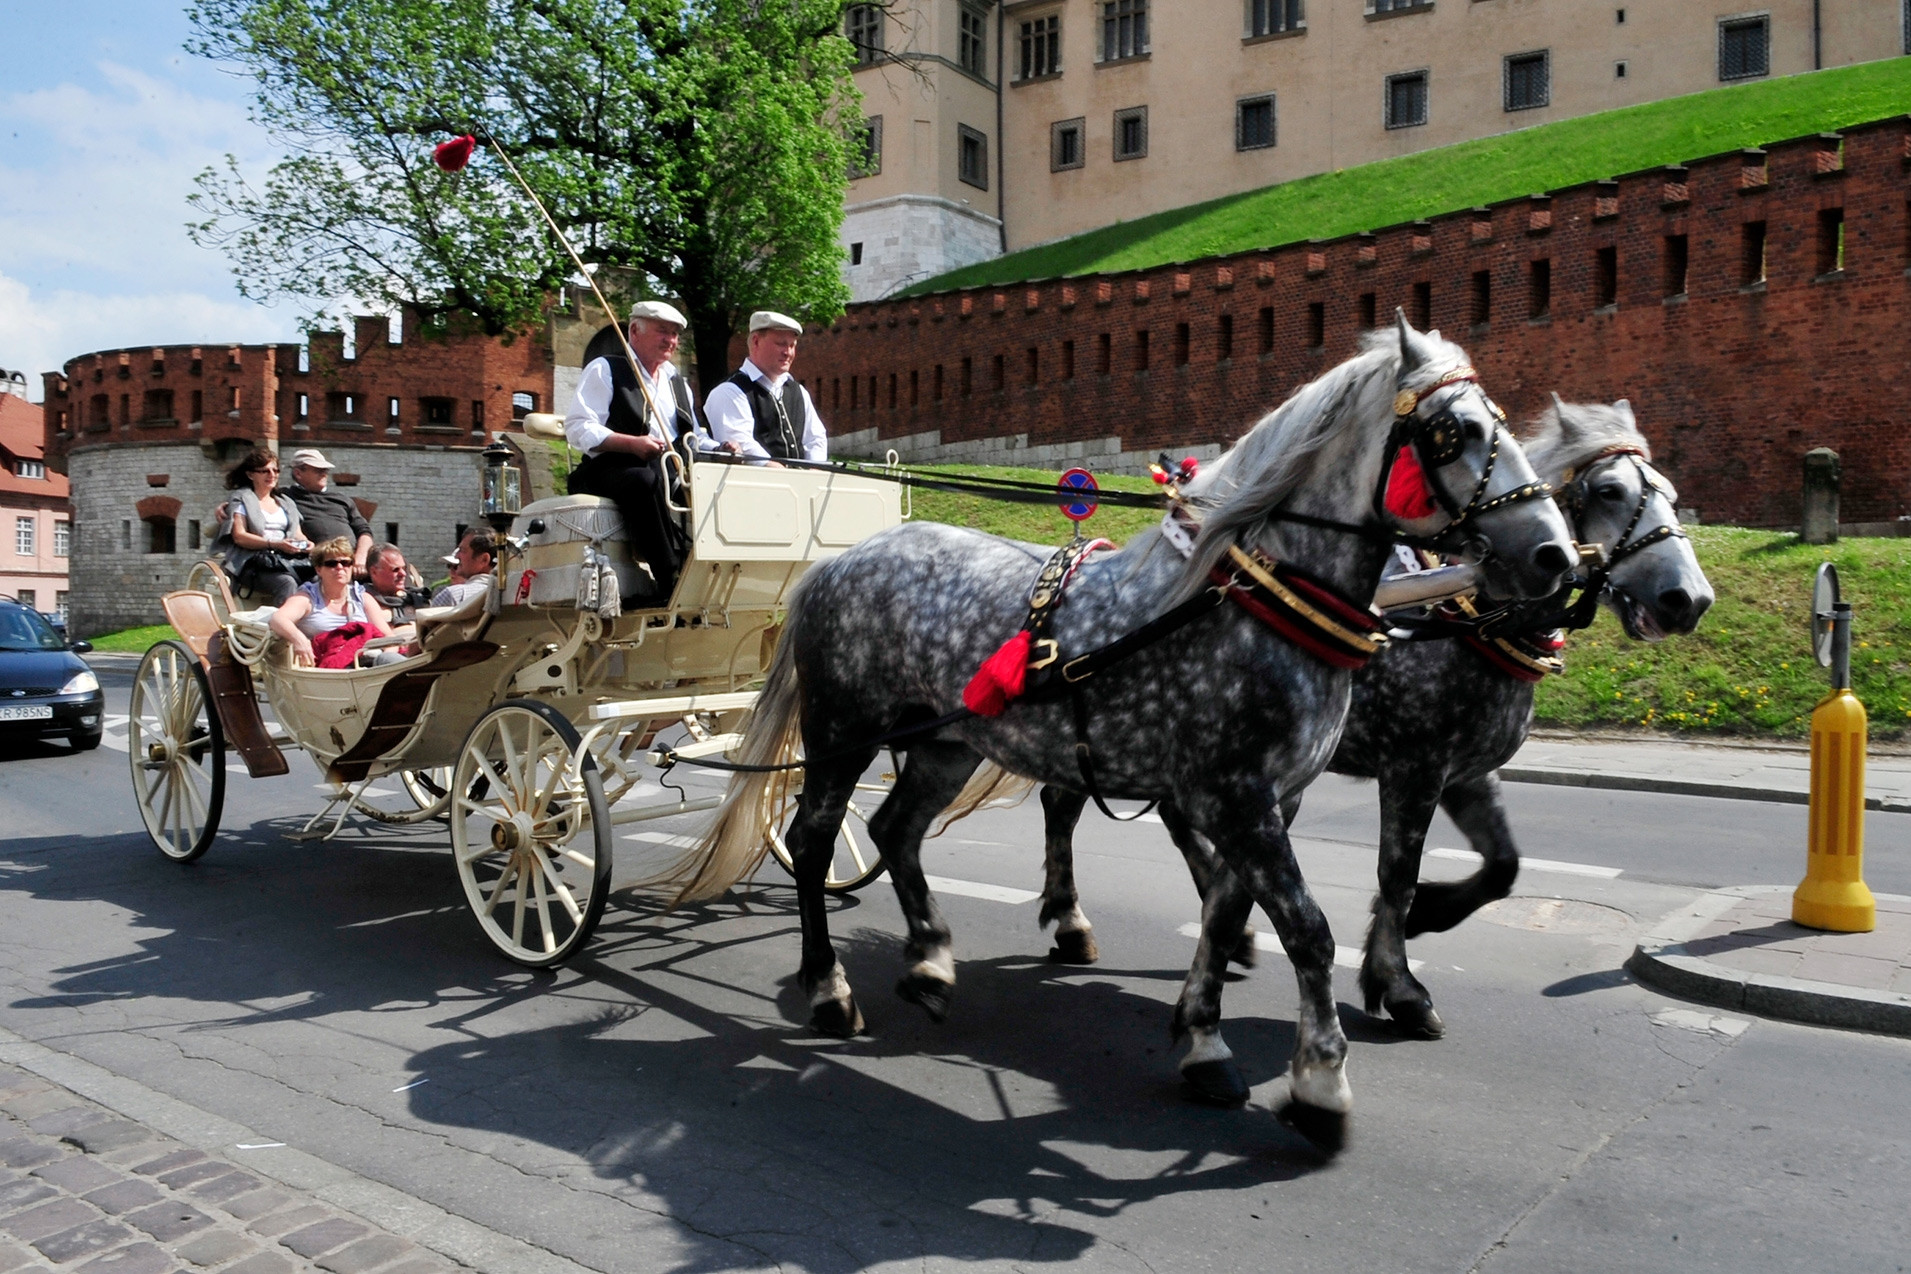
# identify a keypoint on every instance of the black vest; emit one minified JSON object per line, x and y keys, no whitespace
{"x":627,"y":412}
{"x":779,"y":433}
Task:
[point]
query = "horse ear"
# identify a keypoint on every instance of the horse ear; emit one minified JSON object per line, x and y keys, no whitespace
{"x":1625,"y":405}
{"x":1410,"y":357}
{"x":1559,"y":404}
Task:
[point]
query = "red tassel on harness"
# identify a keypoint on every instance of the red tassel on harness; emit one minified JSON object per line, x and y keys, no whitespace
{"x":453,"y":155}
{"x":1001,"y":678}
{"x":1407,"y":495}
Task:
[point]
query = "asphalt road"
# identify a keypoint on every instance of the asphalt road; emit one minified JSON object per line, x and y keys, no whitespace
{"x":658,"y":1104}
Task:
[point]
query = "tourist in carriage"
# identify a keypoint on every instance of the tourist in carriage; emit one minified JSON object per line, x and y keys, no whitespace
{"x":624,"y":431}
{"x":329,"y":621}
{"x":264,"y":534}
{"x":763,"y":412}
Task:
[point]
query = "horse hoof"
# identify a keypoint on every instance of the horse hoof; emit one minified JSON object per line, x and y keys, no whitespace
{"x":1215,"y":1083}
{"x":840,"y":1018}
{"x":932,"y":994}
{"x":1325,"y":1130}
{"x":1076,"y":946}
{"x":1416,"y":1018}
{"x":1323,"y":1087}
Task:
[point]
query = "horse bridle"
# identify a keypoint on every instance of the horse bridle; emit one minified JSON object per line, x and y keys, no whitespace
{"x":1438,"y":441}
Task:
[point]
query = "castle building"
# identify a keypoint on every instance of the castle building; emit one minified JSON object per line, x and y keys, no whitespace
{"x":34,"y":516}
{"x":997,"y":126}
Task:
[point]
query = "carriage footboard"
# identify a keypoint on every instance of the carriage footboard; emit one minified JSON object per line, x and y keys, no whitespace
{"x":237,"y":703}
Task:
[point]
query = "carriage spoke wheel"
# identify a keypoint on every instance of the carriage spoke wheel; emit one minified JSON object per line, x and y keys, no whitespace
{"x":855,"y":861}
{"x":531,"y":832}
{"x":178,"y":752}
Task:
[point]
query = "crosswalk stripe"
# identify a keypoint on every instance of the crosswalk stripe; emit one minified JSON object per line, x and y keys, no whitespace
{"x":975,"y":889}
{"x":1535,"y":864}
{"x":1345,"y":957}
{"x":663,"y":838}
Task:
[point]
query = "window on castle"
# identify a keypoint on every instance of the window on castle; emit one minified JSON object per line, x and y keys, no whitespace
{"x":1273,"y":17}
{"x":1065,"y":148}
{"x":1040,"y":48}
{"x":972,"y":157}
{"x":1745,"y":48}
{"x":160,"y":535}
{"x":866,"y":149}
{"x":972,"y":33}
{"x":1131,"y":133}
{"x":437,"y":411}
{"x":522,"y":405}
{"x":1539,"y":295}
{"x":864,"y":26}
{"x":1527,"y":81}
{"x":1254,"y":123}
{"x":1407,"y":100}
{"x":1124,"y":29}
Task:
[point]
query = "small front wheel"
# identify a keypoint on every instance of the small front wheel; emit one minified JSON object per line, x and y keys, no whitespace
{"x":855,"y":861}
{"x":531,"y":832}
{"x":178,"y":752}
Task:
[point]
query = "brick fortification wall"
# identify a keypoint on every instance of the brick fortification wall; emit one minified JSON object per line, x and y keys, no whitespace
{"x":1752,"y":305}
{"x":146,"y":436}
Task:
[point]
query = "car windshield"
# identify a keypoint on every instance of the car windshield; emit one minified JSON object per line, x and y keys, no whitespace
{"x":23,"y":629}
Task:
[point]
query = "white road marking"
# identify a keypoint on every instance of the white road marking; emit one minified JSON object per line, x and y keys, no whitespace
{"x":414,"y":1083}
{"x":663,"y":838}
{"x":1704,"y":1023}
{"x":1149,"y":817}
{"x":1345,"y":957}
{"x":258,"y":1145}
{"x":1534,"y":864}
{"x":975,"y":889}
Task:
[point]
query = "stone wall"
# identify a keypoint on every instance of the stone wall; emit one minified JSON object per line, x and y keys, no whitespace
{"x":1786,"y":330}
{"x":907,"y":238}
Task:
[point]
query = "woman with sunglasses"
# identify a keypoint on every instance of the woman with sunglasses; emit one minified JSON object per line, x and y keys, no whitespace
{"x":330,"y":602}
{"x":264,"y":530}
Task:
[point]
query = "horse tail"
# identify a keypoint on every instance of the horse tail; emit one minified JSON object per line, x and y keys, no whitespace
{"x":990,"y":785}
{"x":738,"y":836}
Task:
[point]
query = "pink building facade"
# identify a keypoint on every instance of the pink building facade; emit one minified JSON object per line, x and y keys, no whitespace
{"x":36,"y":521}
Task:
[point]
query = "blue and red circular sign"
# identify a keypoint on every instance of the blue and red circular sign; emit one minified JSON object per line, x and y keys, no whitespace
{"x":1078,"y":491}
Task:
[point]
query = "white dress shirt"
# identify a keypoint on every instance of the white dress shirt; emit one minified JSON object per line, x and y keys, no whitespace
{"x":731,"y":420}
{"x":588,"y":423}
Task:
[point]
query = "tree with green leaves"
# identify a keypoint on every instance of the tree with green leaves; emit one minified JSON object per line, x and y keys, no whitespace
{"x":701,"y":145}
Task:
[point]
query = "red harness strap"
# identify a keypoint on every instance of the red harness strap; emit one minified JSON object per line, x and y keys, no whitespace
{"x":1003,"y":676}
{"x":1302,"y":609}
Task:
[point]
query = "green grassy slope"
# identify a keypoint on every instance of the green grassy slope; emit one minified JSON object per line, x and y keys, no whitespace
{"x":1483,"y":171}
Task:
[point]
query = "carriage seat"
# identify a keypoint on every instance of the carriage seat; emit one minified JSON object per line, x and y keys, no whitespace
{"x":555,"y":553}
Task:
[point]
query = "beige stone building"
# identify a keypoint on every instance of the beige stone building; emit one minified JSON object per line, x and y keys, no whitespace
{"x":1006,"y":125}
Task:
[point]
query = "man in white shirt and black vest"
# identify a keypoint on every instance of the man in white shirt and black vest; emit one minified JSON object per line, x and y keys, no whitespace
{"x":762,"y":410}
{"x":623,"y":439}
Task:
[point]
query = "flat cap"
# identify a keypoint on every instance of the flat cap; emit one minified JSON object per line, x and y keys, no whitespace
{"x":311,"y":457}
{"x":660,"y":311}
{"x":770,"y":320}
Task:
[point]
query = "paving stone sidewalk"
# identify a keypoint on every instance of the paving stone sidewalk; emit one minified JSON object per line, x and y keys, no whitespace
{"x":82,"y":1188}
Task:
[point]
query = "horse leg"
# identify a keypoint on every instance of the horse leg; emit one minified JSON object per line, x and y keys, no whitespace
{"x":1407,"y":801}
{"x":932,"y":775}
{"x":1074,"y":936}
{"x":1250,"y":835}
{"x":811,"y":839}
{"x":1474,"y":804}
{"x":1202,"y":866}
{"x":1209,"y":1070}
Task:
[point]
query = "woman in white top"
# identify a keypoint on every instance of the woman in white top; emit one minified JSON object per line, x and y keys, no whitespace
{"x":264,"y":530}
{"x":329,"y":602}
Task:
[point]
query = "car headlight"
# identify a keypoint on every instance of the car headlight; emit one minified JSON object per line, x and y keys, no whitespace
{"x":82,"y":683}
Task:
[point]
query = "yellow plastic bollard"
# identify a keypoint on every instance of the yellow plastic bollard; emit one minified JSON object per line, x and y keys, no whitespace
{"x":1833,"y":894}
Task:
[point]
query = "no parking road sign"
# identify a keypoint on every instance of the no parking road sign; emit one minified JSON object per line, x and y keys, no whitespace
{"x":1078,"y":491}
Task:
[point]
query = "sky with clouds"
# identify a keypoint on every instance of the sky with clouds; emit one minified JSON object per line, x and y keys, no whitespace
{"x":105,"y":120}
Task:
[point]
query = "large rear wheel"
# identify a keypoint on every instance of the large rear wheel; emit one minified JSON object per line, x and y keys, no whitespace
{"x":178,"y":752}
{"x":531,"y":832}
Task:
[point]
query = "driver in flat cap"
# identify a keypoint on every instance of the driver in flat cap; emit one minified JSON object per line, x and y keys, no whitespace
{"x":763,"y":411}
{"x":623,"y":439}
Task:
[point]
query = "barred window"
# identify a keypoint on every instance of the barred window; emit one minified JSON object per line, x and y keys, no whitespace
{"x":1527,"y":81}
{"x":972,"y":42}
{"x":1131,"y":133}
{"x":1041,"y":48}
{"x":864,"y":26}
{"x":1274,"y":17}
{"x":1065,"y":149}
{"x":1124,"y":29}
{"x":972,"y":156}
{"x":1254,"y":123}
{"x":1745,"y":48}
{"x":1407,"y":99}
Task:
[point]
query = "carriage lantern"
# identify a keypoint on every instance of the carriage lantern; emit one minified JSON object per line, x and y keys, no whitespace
{"x":503,"y":487}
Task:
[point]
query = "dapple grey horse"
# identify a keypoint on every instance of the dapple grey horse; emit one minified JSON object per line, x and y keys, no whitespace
{"x":1227,"y":718}
{"x":1433,"y":721}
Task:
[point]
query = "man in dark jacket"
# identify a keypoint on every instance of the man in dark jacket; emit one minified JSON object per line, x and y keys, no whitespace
{"x":327,"y":514}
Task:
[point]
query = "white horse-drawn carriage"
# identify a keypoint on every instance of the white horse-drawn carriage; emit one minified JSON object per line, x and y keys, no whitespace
{"x":527,"y":715}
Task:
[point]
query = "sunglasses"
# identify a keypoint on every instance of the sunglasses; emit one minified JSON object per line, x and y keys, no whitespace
{"x":337,"y":561}
{"x":267,"y":468}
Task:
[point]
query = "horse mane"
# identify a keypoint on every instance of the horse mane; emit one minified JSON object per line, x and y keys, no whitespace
{"x":1567,"y":435}
{"x":1236,"y":492}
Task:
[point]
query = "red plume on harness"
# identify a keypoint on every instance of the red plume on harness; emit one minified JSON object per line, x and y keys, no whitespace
{"x":453,"y":155}
{"x":1408,"y":496}
{"x":1001,"y":678}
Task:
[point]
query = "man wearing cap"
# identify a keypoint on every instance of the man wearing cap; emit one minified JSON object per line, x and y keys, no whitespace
{"x":623,"y":439}
{"x":763,"y":410}
{"x":327,"y":514}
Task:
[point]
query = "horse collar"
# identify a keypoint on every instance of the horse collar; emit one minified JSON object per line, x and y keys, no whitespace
{"x":1306,"y":611}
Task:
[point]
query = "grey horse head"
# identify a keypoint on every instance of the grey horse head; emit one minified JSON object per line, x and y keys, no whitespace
{"x":1601,"y":465}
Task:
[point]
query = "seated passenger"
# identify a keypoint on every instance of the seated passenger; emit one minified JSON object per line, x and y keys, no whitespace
{"x":265,"y":533}
{"x":314,"y":620}
{"x":623,"y":440}
{"x":326,"y":513}
{"x":470,"y":569}
{"x":395,"y":585}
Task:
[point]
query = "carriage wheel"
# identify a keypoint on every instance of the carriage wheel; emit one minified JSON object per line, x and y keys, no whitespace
{"x":856,"y":861}
{"x":178,"y":752}
{"x":531,"y":832}
{"x":430,"y":794}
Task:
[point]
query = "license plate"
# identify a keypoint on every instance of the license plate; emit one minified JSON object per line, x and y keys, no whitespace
{"x":26,"y":712}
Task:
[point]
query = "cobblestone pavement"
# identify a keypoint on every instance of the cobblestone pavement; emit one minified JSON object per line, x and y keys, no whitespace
{"x":83,"y":1189}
